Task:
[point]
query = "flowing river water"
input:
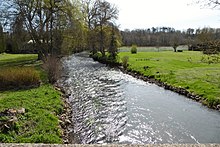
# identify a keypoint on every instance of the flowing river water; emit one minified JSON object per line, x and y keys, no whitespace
{"x":112,"y":107}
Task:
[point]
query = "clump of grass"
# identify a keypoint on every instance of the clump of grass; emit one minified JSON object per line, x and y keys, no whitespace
{"x":125,"y":61}
{"x":19,"y":78}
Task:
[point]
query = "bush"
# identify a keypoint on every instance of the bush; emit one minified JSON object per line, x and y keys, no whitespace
{"x":125,"y":61}
{"x":19,"y":78}
{"x":134,"y":49}
{"x":96,"y":56}
{"x":52,"y":66}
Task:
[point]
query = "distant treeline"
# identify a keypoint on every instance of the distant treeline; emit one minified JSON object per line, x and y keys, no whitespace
{"x":167,"y":36}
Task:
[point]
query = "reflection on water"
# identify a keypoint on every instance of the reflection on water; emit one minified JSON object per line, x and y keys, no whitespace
{"x":112,"y":107}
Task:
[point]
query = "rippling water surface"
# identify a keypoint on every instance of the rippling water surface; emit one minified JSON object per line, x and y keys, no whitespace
{"x":112,"y":107}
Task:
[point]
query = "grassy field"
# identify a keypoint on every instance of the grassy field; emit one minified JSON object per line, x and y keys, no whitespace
{"x":39,"y":123}
{"x":198,"y":73}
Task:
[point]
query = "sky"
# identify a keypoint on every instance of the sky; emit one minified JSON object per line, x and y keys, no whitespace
{"x":179,"y":14}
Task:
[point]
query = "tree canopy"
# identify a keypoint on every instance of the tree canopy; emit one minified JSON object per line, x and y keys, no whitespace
{"x":59,"y":26}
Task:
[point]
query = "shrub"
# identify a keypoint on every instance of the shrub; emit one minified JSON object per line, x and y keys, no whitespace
{"x":97,"y":56}
{"x":52,"y":66}
{"x":134,"y":49}
{"x":125,"y":61}
{"x":19,"y":78}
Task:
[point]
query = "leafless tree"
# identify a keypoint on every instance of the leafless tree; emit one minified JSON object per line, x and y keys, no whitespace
{"x":214,"y":4}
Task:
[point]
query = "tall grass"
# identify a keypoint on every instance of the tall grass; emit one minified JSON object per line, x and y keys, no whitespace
{"x":52,"y":66}
{"x":19,"y":78}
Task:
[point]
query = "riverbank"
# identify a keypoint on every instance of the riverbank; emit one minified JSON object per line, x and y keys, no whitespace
{"x":110,"y":145}
{"x":188,"y":73}
{"x":37,"y":115}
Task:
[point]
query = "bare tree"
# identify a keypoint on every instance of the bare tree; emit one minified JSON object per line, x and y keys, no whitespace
{"x":89,"y":10}
{"x":175,"y":40}
{"x":214,"y":4}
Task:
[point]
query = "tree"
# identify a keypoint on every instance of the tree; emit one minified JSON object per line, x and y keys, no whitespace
{"x":44,"y":20}
{"x":208,"y":3}
{"x":98,"y":15}
{"x":2,"y":40}
{"x":175,"y":41}
{"x":19,"y":34}
{"x":114,"y":42}
{"x":106,"y":14}
{"x":89,"y":10}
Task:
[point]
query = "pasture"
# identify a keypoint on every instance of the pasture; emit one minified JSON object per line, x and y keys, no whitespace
{"x":194,"y":71}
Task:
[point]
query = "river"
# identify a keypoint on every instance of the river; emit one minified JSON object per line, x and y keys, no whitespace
{"x":112,"y":107}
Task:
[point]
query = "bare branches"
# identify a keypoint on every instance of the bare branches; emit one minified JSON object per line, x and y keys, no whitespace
{"x":213,"y":4}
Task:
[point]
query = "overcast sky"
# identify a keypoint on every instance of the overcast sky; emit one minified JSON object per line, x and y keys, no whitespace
{"x":179,"y":14}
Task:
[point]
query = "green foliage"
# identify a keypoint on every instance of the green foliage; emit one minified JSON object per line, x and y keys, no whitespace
{"x":134,"y":49}
{"x":114,"y":42}
{"x":97,"y":56}
{"x":18,"y":78}
{"x":176,"y":69}
{"x":107,"y":59}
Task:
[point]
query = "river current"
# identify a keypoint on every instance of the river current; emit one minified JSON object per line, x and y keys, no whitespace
{"x":112,"y":107}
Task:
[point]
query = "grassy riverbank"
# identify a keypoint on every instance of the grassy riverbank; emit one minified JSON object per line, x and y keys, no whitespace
{"x":198,"y":73}
{"x":39,"y":123}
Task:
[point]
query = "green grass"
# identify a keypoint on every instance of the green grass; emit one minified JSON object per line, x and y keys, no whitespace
{"x":17,"y":59}
{"x":182,"y":69}
{"x":40,"y":123}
